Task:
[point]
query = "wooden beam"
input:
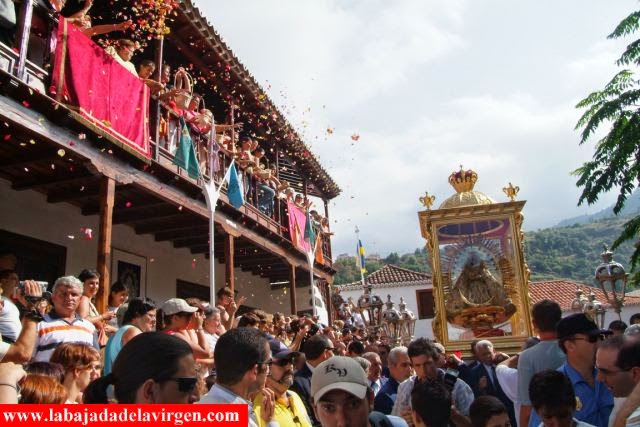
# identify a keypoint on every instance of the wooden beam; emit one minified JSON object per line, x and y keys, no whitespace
{"x":191,"y":241}
{"x":193,"y":231}
{"x":153,"y":227}
{"x":136,"y":208}
{"x":75,"y":194}
{"x":170,"y":211}
{"x":45,"y":182}
{"x":292,"y":289}
{"x":107,"y":197}
{"x":30,"y":160}
{"x":229,"y":271}
{"x":200,"y":249}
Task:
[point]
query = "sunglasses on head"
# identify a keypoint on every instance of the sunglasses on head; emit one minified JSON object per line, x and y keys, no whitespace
{"x":186,"y":384}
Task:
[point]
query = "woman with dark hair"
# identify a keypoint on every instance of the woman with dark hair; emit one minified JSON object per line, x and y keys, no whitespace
{"x":81,"y":364}
{"x":140,"y":317}
{"x":488,"y":411}
{"x":153,"y":367}
{"x":118,"y":295}
{"x":86,"y":309}
{"x":47,"y":369}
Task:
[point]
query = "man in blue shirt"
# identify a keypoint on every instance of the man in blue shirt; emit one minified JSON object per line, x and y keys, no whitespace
{"x":578,"y":336}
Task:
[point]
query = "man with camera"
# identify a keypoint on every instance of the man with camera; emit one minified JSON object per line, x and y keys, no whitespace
{"x":21,"y":350}
{"x":289,"y":408}
{"x":10,"y":314}
{"x":63,"y":324}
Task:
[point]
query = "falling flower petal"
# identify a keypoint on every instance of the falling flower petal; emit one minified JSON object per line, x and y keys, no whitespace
{"x":61,"y":152}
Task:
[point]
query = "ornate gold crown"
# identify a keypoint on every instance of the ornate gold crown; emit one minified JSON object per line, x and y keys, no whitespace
{"x":463,"y":180}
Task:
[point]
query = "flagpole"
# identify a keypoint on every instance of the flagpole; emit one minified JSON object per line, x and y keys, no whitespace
{"x":211,"y":196}
{"x":359,"y":257}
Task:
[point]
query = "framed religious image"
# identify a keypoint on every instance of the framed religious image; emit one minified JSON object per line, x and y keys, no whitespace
{"x":479,"y":275}
{"x":131,"y":270}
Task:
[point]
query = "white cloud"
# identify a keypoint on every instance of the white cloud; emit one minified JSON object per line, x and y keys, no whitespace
{"x":423,"y":86}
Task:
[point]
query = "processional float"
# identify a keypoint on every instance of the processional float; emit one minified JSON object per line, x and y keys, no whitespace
{"x":480,"y":278}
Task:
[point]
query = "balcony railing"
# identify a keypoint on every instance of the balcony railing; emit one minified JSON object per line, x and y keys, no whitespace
{"x":258,"y":203}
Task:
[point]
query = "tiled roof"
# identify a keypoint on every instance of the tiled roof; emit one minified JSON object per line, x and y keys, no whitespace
{"x":391,"y":276}
{"x":564,"y":292}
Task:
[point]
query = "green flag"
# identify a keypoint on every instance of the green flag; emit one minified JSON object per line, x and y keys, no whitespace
{"x":185,"y":156}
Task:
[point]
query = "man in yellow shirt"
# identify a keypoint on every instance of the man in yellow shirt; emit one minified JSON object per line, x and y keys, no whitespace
{"x":289,"y":409}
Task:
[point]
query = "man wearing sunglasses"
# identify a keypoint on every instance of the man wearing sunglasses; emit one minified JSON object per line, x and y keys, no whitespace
{"x":578,"y":337}
{"x":289,"y":408}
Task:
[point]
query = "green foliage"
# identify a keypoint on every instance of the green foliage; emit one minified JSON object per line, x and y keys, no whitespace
{"x":616,"y":160}
{"x":573,"y":252}
{"x":348,"y":272}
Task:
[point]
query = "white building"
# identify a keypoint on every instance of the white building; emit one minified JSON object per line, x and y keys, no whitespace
{"x":416,"y":289}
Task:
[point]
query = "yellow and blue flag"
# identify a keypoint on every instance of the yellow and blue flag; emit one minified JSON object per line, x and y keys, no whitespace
{"x":360,"y":257}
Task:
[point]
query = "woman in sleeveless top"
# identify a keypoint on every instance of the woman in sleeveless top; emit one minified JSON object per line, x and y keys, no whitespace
{"x":140,"y":317}
{"x":86,"y":309}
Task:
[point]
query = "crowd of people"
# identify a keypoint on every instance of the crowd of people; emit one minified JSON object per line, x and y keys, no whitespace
{"x":293,"y":370}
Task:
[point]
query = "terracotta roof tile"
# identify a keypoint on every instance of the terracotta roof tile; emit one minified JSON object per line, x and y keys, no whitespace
{"x":564,"y":292}
{"x":391,"y":275}
{"x":394,"y":274}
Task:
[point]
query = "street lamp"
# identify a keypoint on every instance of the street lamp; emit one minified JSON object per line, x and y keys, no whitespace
{"x":408,"y":322}
{"x":594,"y":309}
{"x":372,"y":306}
{"x":391,"y":322}
{"x":612,"y":279}
{"x":579,"y":301}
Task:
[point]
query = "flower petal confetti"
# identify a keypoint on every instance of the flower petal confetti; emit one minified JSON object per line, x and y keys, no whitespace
{"x":61,"y":152}
{"x":87,"y":233}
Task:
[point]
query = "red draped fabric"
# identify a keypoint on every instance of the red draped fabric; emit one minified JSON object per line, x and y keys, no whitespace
{"x":102,"y":90}
{"x":297,"y":221}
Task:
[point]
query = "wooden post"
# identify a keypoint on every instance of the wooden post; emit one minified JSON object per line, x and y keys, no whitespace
{"x":107,"y":195}
{"x":229,"y":262}
{"x":24,"y":30}
{"x":292,"y":289}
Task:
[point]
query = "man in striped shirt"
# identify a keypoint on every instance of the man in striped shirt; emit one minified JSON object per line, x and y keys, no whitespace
{"x":63,"y":324}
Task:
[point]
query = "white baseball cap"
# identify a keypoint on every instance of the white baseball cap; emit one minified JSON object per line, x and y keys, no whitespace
{"x":177,"y":305}
{"x":338,"y":373}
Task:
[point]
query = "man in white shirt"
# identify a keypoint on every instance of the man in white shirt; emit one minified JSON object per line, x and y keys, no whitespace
{"x":618,"y":363}
{"x":243,"y":360}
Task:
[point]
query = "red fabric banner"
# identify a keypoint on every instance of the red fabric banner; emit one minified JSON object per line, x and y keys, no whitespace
{"x":297,"y":221}
{"x":102,"y":90}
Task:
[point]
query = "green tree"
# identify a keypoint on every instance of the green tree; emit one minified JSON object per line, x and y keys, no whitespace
{"x":616,"y":160}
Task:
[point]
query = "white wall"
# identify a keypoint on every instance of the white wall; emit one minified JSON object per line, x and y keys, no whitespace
{"x":423,"y":326}
{"x":29,"y":214}
{"x":610,"y":315}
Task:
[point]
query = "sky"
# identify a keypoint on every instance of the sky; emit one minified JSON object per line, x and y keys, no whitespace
{"x":427,"y":86}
